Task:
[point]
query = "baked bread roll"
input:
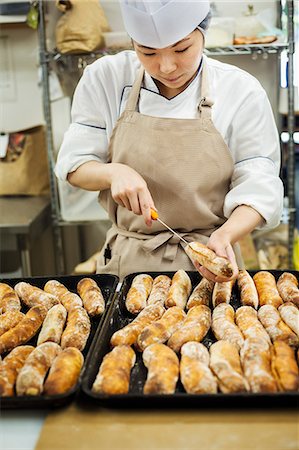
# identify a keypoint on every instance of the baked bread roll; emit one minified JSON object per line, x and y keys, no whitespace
{"x":31,"y":377}
{"x":9,"y":299}
{"x":248,"y":292}
{"x":284,"y":367}
{"x":113,"y":377}
{"x":160,"y":289}
{"x":204,"y":256}
{"x":290,"y":315}
{"x":179,"y":290}
{"x":67,"y":298}
{"x":10,"y":367}
{"x":53,"y":325}
{"x":256,"y":363}
{"x":138,"y":293}
{"x":64,"y":371}
{"x":249,"y":40}
{"x":92,"y":297}
{"x":77,"y":329}
{"x":161,"y":330}
{"x":129,"y":334}
{"x":287,"y":285}
{"x":9,"y":320}
{"x":163,"y":369}
{"x":195,"y":374}
{"x":266,"y":288}
{"x":275,"y":326}
{"x":224,"y":327}
{"x":225,"y":364}
{"x":33,"y":296}
{"x":56,"y":288}
{"x":250,"y":326}
{"x":24,"y":330}
{"x":222,"y":292}
{"x":201,"y":294}
{"x":194,"y":327}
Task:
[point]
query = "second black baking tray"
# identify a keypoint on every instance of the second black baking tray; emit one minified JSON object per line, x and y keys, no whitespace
{"x":107,"y":284}
{"x":117,"y":317}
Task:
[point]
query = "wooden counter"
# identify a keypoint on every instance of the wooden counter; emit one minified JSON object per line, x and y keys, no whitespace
{"x":94,"y":428}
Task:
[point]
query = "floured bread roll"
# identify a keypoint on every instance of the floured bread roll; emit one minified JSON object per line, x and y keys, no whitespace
{"x":10,"y":368}
{"x":201,"y":294}
{"x":249,"y":324}
{"x":161,"y":330}
{"x":222,"y":292}
{"x":138,"y":293}
{"x":284,"y":367}
{"x":290,"y":315}
{"x":9,"y":299}
{"x":113,"y":377}
{"x":179,"y":290}
{"x":275,"y":326}
{"x":196,"y":376}
{"x":128,"y":335}
{"x":207,"y":258}
{"x":266,"y":288}
{"x":248,"y":292}
{"x":256,"y":363}
{"x":225,"y":364}
{"x":193,"y":328}
{"x":224,"y":327}
{"x":287,"y":286}
{"x":160,"y":289}
{"x":163,"y":369}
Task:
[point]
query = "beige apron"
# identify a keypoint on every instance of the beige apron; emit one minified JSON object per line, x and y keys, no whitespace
{"x":187,"y":167}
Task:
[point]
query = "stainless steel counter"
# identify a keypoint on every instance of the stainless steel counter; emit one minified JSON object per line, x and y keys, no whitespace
{"x":26,"y":218}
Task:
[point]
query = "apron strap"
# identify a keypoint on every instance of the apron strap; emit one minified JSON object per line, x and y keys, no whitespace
{"x":205,"y":103}
{"x":152,"y":242}
{"x":171,"y":242}
{"x":135,"y":92}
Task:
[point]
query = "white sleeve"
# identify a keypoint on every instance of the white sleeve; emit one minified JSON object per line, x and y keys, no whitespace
{"x":86,"y":139}
{"x":254,"y":144}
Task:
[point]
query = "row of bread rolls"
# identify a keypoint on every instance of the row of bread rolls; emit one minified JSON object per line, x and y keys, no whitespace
{"x":155,"y":326}
{"x":262,"y":289}
{"x":267,"y":323}
{"x":90,"y":296}
{"x":259,"y":290}
{"x":58,"y":319}
{"x":68,"y":328}
{"x":47,"y":369}
{"x":235,"y":337}
{"x":63,"y":316}
{"x":257,"y":368}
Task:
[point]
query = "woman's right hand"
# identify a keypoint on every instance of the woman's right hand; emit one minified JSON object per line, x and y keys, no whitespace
{"x":129,"y":189}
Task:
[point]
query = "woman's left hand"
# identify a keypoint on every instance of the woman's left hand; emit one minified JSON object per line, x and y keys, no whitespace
{"x":222,"y":247}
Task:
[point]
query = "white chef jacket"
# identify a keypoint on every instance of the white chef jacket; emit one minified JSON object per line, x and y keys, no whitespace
{"x":241,"y":113}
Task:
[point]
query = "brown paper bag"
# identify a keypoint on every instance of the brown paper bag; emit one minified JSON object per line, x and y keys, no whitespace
{"x":80,"y":28}
{"x":24,"y":169}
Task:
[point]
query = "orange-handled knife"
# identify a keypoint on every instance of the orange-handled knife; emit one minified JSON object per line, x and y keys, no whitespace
{"x":155,"y":216}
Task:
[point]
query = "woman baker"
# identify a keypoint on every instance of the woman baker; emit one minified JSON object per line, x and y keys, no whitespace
{"x":165,"y":127}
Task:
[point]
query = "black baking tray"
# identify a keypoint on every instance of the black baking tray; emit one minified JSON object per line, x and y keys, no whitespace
{"x":108,"y":285}
{"x":117,"y":317}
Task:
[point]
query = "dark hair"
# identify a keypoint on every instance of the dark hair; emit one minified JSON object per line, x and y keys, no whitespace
{"x":204,"y":24}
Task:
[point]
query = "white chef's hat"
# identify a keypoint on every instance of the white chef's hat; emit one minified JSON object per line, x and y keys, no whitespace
{"x":160,"y":23}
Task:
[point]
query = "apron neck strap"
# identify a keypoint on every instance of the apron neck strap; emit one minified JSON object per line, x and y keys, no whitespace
{"x":135,"y":92}
{"x":205,"y":103}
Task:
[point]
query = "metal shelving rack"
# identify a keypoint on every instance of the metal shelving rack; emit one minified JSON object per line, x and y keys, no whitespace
{"x":46,"y":57}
